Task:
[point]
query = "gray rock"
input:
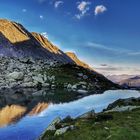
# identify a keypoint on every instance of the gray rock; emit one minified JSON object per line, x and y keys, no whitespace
{"x":45,"y":78}
{"x":123,"y":108}
{"x":53,"y":86}
{"x":80,"y":74}
{"x":28,"y":85}
{"x":83,"y":83}
{"x":39,"y":79}
{"x":74,"y":87}
{"x":16,"y":75}
{"x":51,"y":78}
{"x":87,"y":115}
{"x":85,"y":77}
{"x":45,"y":84}
{"x":61,"y":131}
{"x":84,"y":87}
{"x":69,"y":86}
{"x":53,"y":123}
{"x":82,"y":91}
{"x":27,"y":79}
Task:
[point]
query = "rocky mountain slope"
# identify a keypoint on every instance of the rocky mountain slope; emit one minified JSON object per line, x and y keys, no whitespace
{"x":16,"y":41}
{"x":30,"y":60}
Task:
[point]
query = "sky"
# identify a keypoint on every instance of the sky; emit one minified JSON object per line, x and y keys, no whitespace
{"x":103,"y":33}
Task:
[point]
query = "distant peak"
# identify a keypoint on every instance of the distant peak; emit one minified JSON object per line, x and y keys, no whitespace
{"x":74,"y":57}
{"x":71,"y":54}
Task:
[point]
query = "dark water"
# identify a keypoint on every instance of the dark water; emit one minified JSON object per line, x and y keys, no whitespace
{"x":35,"y":122}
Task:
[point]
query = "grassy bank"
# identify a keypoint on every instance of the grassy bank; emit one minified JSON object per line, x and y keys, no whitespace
{"x":106,"y":126}
{"x":69,"y":74}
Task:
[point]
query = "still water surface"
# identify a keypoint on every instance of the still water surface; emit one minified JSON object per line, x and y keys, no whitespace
{"x":32,"y":125}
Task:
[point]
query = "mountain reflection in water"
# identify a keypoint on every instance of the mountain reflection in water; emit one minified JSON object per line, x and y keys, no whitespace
{"x":10,"y":114}
{"x":38,"y":108}
{"x":16,"y":104}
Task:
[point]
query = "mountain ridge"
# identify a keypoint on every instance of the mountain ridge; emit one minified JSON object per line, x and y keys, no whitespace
{"x":74,"y":57}
{"x":64,"y":68}
{"x":22,"y":43}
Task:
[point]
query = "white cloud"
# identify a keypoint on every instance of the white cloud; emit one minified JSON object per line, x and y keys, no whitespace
{"x":44,"y":34}
{"x":113,"y":50}
{"x":24,"y":10}
{"x":58,"y":3}
{"x":41,"y":16}
{"x":83,"y":8}
{"x":83,"y":5}
{"x":100,"y":9}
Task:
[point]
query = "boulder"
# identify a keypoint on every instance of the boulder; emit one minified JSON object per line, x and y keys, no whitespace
{"x":82,"y":91}
{"x":69,"y":86}
{"x":63,"y":130}
{"x":84,"y":87}
{"x":16,"y":75}
{"x":74,"y":87}
{"x":28,"y":85}
{"x":38,"y":78}
{"x":80,"y":74}
{"x":51,"y":78}
{"x":83,"y":83}
{"x":123,"y":108}
{"x":51,"y":127}
{"x":88,"y":115}
{"x":53,"y":86}
{"x":45,"y":84}
{"x":85,"y":77}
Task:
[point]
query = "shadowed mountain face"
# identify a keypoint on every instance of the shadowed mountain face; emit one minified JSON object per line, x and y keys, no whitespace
{"x":16,"y":41}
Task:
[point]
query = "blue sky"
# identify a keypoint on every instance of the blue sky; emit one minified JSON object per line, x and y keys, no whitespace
{"x":103,"y":33}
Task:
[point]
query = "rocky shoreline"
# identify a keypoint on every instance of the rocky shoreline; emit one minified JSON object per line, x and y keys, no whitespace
{"x":60,"y":126}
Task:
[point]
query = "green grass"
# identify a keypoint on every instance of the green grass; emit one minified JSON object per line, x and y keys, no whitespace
{"x":69,"y":74}
{"x":123,"y":126}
